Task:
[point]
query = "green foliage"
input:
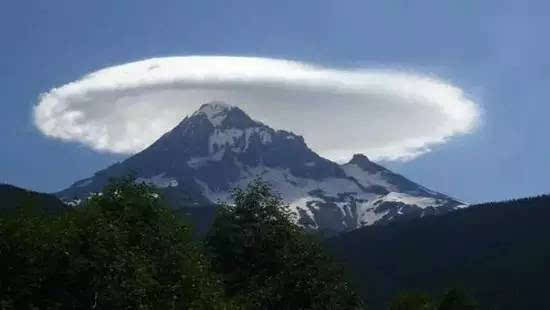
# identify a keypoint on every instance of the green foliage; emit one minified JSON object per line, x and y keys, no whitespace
{"x":499,"y":251}
{"x":13,"y":198}
{"x":412,"y":301}
{"x":270,"y":263}
{"x":453,"y":299}
{"x":456,"y":299}
{"x":122,"y":250}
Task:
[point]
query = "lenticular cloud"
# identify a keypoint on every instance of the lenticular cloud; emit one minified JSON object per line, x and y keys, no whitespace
{"x":384,"y":114}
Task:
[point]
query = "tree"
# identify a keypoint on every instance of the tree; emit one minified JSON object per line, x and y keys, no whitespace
{"x":122,"y":250}
{"x":457,"y":299}
{"x":270,"y":263}
{"x":412,"y":301}
{"x":453,"y":299}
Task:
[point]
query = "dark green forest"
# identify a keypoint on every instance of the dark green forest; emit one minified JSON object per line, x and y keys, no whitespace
{"x":12,"y":198}
{"x":497,"y":252}
{"x":126,"y":249}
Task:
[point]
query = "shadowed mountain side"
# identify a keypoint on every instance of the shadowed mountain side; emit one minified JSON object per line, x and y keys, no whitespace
{"x":498,"y":251}
{"x":12,"y":197}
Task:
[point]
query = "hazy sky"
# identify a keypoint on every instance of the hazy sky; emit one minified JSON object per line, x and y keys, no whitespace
{"x":495,"y":52}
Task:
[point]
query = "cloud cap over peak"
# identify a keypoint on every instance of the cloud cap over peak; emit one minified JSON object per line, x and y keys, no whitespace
{"x":385,"y":114}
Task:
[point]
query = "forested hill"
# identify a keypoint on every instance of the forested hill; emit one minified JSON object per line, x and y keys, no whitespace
{"x":13,"y":197}
{"x":499,"y":252}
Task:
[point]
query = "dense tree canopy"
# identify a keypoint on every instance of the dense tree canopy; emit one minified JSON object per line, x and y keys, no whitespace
{"x":121,"y":250}
{"x":124,"y":249}
{"x":453,"y":299}
{"x":412,"y":301}
{"x":270,"y":263}
{"x":498,"y":251}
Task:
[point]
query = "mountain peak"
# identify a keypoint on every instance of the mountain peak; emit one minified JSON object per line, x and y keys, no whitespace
{"x":359,"y":158}
{"x":215,"y":111}
{"x":364,"y":163}
{"x":220,"y":147}
{"x":223,"y":115}
{"x":215,"y":106}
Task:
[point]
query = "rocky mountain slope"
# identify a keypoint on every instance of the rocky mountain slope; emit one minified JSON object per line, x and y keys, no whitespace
{"x":220,"y":147}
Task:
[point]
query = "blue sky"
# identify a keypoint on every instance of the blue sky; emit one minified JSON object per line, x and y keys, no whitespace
{"x":496,"y":51}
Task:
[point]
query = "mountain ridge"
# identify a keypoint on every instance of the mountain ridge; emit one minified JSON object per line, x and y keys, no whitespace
{"x":14,"y":197}
{"x":498,"y":251}
{"x":220,"y":147}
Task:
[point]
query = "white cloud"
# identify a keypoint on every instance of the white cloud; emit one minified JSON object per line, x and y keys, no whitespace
{"x":383,"y":113}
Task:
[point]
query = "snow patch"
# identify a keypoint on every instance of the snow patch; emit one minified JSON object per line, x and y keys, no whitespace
{"x":215,"y":111}
{"x":304,"y":195}
{"x":159,"y":181}
{"x":369,"y":216}
{"x":222,"y":138}
{"x":421,"y":202}
{"x":213,"y":195}
{"x":265,"y":137}
{"x":365,"y":178}
{"x":74,"y":202}
{"x":293,"y":190}
{"x":302,"y":205}
{"x":197,"y":162}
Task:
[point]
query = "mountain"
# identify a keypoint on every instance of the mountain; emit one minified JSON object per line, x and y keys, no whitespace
{"x":12,"y":197}
{"x":220,"y":147}
{"x":499,"y":252}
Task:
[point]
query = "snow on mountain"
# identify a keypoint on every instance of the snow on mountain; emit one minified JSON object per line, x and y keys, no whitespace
{"x":215,"y":111}
{"x":220,"y":147}
{"x":367,"y":178}
{"x":159,"y":181}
